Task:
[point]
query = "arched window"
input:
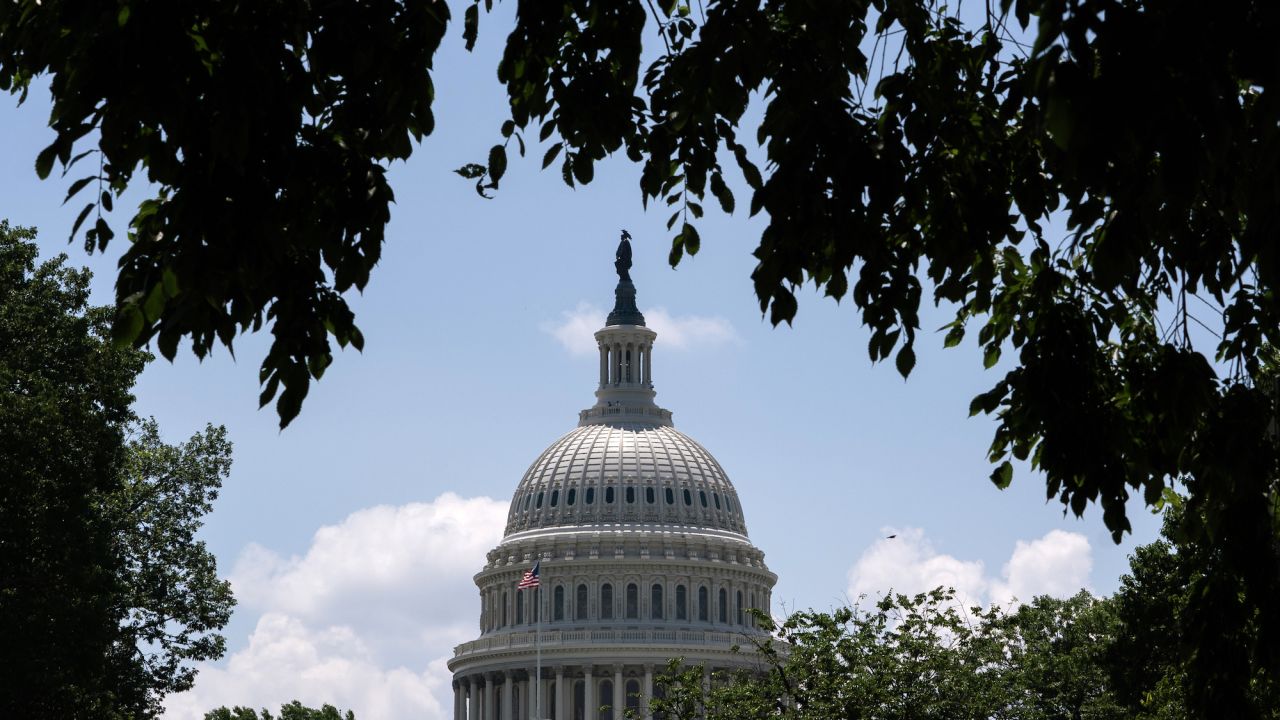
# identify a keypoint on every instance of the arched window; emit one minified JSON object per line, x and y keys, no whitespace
{"x":608,"y":496}
{"x":702,"y":497}
{"x":682,"y":610}
{"x":579,"y":701}
{"x":655,"y":601}
{"x":631,"y":494}
{"x":724,"y":606}
{"x":519,"y":607}
{"x":606,"y":602}
{"x":591,"y":495}
{"x":633,"y":601}
{"x":633,"y":695}
{"x":555,"y":497}
{"x":738,"y":605}
{"x":702,"y":604}
{"x":648,"y":495}
{"x":528,"y":499}
{"x":573,"y":495}
{"x":688,"y":499}
{"x":504,"y":608}
{"x":557,"y":612}
{"x":606,"y":696}
{"x":716,"y":497}
{"x":580,"y":604}
{"x":671,"y":497}
{"x":538,"y":504}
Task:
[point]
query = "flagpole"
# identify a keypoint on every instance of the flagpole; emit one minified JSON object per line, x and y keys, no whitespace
{"x":537,"y":644}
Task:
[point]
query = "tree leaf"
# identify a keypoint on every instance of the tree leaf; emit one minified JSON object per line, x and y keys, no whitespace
{"x":906,"y":360}
{"x":1002,"y":475}
{"x":497,"y":163}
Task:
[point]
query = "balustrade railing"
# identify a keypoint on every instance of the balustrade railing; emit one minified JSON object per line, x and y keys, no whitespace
{"x":553,"y":638}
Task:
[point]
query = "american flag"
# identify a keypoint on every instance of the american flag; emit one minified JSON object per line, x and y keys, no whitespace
{"x":530,"y":578}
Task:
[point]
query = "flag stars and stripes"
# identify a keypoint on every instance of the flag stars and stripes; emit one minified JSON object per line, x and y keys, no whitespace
{"x":530,"y":577}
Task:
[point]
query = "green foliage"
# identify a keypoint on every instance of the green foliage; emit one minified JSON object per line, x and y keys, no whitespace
{"x":917,"y":657}
{"x":172,"y":602}
{"x":105,"y":593}
{"x":265,"y":130}
{"x":1169,"y":652}
{"x":293,"y":711}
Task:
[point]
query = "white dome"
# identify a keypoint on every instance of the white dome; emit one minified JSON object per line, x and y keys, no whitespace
{"x":603,"y":475}
{"x":642,"y":554}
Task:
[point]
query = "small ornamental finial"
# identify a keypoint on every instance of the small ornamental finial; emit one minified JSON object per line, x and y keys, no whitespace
{"x":622,"y":258}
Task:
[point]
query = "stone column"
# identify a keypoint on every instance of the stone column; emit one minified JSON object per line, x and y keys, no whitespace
{"x":590,"y":708}
{"x":560,"y":714}
{"x":619,"y":693}
{"x":490,"y":707}
{"x":647,"y":693}
{"x":473,"y":699}
{"x":505,"y":713}
{"x":531,"y":694}
{"x":604,"y":366}
{"x":457,"y":700}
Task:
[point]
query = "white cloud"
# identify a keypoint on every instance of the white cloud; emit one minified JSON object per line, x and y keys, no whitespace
{"x":364,"y":620}
{"x":688,"y":332}
{"x":576,"y":329}
{"x":1057,"y":564}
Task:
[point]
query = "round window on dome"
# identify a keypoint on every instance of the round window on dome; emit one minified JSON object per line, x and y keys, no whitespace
{"x":702,"y":496}
{"x":688,"y":499}
{"x":573,"y":495}
{"x":648,"y":495}
{"x":528,"y":501}
{"x":538,"y":505}
{"x":671,"y":497}
{"x":555,"y":497}
{"x":608,"y":496}
{"x":631,"y":494}
{"x":716,"y":497}
{"x":590,"y":496}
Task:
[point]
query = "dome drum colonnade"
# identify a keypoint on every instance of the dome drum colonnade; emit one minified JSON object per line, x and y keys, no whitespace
{"x":644,"y":557}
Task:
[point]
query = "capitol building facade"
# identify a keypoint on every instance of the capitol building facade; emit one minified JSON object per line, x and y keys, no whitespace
{"x":643,"y":555}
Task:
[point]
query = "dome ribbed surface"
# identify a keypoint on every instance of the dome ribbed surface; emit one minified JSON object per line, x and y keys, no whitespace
{"x":625,"y":474}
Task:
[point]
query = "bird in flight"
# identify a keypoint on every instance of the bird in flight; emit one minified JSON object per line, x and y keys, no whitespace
{"x":890,"y":537}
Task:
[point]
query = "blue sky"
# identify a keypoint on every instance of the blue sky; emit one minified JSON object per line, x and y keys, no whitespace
{"x":466,"y":377}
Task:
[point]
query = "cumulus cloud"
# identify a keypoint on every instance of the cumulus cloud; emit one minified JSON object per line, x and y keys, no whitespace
{"x":365,"y":619}
{"x":576,"y":329}
{"x":1057,"y":564}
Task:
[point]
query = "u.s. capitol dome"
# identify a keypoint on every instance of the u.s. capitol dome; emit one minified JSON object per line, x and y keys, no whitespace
{"x":642,"y":551}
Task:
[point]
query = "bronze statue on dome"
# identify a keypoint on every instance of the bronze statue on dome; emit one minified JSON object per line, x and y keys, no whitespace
{"x":622,"y":258}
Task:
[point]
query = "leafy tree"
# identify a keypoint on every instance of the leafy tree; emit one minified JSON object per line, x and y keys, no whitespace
{"x":1059,"y":662}
{"x":905,"y":148}
{"x":909,"y":657}
{"x":172,"y":603}
{"x":105,"y":593}
{"x":914,"y":658}
{"x":293,"y":711}
{"x":1157,"y":644}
